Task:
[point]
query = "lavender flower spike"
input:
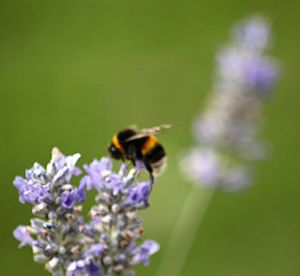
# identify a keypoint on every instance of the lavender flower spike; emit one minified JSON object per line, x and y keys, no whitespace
{"x":59,"y":237}
{"x":115,"y":229}
{"x":227,"y":130}
{"x":54,"y":235}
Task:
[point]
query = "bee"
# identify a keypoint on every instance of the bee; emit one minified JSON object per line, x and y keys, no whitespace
{"x":140,"y":145}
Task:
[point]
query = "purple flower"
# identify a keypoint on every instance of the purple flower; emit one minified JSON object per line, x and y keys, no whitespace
{"x":247,"y":68}
{"x":243,"y":61}
{"x":93,"y":269}
{"x":115,"y":228}
{"x":206,"y":168}
{"x":144,"y":251}
{"x":139,"y":165}
{"x":260,"y":73}
{"x":139,"y":194}
{"x":69,"y":198}
{"x":236,"y":178}
{"x":227,"y":130}
{"x":203,"y":166}
{"x":205,"y":129}
{"x":115,"y":184}
{"x":76,"y":195}
{"x":54,"y":199}
{"x":97,"y":171}
{"x":63,"y":168}
{"x":37,"y":172}
{"x":108,"y":242}
{"x":252,"y":33}
{"x":31,"y":191}
{"x":81,"y":193}
{"x":83,"y":267}
{"x":76,"y":268}
{"x":70,"y":163}
{"x":38,"y":183}
{"x":21,"y":234}
{"x":60,"y":163}
{"x":95,"y":250}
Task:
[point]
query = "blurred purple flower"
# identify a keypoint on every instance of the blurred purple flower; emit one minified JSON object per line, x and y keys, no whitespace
{"x":260,"y":73}
{"x":247,"y":68}
{"x":227,"y":130}
{"x":252,"y":33}
{"x":236,"y":178}
{"x":203,"y":166}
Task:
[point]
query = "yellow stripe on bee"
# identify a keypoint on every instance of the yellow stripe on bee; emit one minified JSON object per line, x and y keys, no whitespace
{"x":117,"y":144}
{"x":150,"y":143}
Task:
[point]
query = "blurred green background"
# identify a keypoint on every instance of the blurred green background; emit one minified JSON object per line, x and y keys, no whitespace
{"x":74,"y":72}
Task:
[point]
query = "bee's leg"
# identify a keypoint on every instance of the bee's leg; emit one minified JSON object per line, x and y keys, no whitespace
{"x":150,"y":171}
{"x":152,"y":179}
{"x":133,"y":163}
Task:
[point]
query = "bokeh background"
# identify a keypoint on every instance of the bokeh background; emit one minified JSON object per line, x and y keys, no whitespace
{"x":74,"y":72}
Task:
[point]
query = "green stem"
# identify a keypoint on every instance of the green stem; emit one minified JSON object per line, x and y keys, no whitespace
{"x":184,"y":231}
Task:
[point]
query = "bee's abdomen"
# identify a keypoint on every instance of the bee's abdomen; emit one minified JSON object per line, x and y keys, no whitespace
{"x":156,"y":160}
{"x":149,"y":145}
{"x":156,"y":153}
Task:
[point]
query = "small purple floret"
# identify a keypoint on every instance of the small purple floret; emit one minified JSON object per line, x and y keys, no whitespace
{"x":97,"y":171}
{"x":115,"y":184}
{"x":76,"y":195}
{"x":93,"y":269}
{"x":82,"y":267}
{"x":144,"y":251}
{"x":95,"y":250}
{"x":31,"y":191}
{"x":21,"y":234}
{"x":139,"y":194}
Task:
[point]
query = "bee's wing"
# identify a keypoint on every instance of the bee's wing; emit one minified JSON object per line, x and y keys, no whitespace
{"x":148,"y":132}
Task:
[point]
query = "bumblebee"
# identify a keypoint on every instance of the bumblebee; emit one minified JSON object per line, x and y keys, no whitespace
{"x":140,"y":145}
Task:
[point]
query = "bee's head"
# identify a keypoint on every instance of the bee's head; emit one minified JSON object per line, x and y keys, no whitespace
{"x":115,"y":152}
